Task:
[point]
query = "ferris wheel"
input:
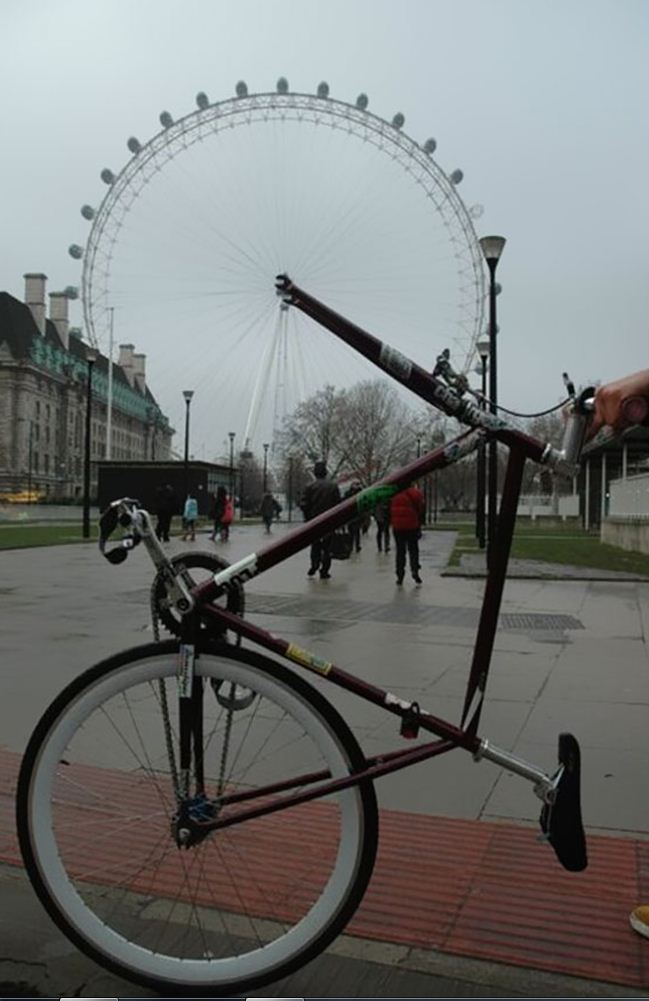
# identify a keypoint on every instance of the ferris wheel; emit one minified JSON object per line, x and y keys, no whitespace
{"x":184,"y":247}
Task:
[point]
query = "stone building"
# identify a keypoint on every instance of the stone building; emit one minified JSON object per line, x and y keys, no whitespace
{"x":43,"y":398}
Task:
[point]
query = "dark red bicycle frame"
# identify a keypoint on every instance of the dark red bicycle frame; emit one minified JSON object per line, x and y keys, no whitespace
{"x":521,"y":447}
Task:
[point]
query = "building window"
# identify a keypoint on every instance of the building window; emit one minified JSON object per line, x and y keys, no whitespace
{"x":38,"y":409}
{"x":46,"y":464}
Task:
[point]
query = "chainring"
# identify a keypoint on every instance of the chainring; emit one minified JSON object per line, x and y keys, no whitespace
{"x":162,"y":606}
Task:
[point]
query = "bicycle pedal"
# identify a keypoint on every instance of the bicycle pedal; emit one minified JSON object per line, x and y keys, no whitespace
{"x":561,"y":820}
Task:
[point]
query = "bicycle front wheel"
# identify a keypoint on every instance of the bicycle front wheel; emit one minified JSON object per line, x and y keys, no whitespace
{"x":97,"y":797}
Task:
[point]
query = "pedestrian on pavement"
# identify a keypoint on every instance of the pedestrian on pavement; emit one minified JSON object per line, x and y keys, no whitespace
{"x":227,"y":518}
{"x":317,"y":498}
{"x":356,"y":524}
{"x":166,"y":504}
{"x":619,"y":405}
{"x":270,"y":508}
{"x":190,"y":514}
{"x":216,"y":509}
{"x":406,"y":516}
{"x":382,"y":519}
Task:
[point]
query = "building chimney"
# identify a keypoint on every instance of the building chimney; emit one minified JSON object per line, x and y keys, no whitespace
{"x":35,"y":298}
{"x":59,"y":316}
{"x":126,"y":361}
{"x":139,"y":371}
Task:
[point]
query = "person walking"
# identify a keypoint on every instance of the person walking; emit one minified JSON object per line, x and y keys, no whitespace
{"x":227,"y":518}
{"x":190,"y":514}
{"x":217,"y":507}
{"x":317,"y":498}
{"x":270,"y":509}
{"x":382,"y":519}
{"x":165,"y":509}
{"x":406,"y":516}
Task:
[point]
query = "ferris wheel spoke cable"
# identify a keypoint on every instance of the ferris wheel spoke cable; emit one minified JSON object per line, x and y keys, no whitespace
{"x":264,"y":200}
{"x":264,"y":378}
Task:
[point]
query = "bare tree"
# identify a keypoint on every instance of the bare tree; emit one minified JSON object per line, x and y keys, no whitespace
{"x":312,"y":431}
{"x":375,"y":430}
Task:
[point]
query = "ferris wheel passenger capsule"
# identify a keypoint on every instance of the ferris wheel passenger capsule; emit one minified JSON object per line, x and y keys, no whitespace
{"x":282,"y":85}
{"x":430,"y":146}
{"x":71,"y":292}
{"x":74,"y":250}
{"x":107,"y":176}
{"x":456,"y":176}
{"x":202,"y":100}
{"x":87,"y":212}
{"x":134,"y":145}
{"x":362,"y":102}
{"x":323,"y":89}
{"x":398,"y":121}
{"x":241,"y":89}
{"x":166,"y":120}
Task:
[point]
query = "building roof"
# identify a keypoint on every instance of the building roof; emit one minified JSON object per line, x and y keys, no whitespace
{"x":19,"y":332}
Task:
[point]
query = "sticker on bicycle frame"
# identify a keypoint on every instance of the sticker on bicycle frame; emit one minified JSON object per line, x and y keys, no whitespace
{"x":307,"y":659}
{"x":368,"y":499}
{"x":238,"y":572}
{"x":395,"y":361}
{"x":458,"y":449}
{"x":185,"y":670}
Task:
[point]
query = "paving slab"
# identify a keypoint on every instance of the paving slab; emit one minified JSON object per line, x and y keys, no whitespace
{"x":571,"y":654}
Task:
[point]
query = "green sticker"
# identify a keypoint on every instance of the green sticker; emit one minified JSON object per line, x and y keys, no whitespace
{"x":368,"y":499}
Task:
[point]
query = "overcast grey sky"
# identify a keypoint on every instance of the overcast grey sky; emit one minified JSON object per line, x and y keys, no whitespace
{"x":542,"y":104}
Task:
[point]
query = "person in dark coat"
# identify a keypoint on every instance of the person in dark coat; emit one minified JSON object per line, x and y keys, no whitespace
{"x":270,"y":509}
{"x":216,"y":510}
{"x":317,"y":498}
{"x":406,"y":516}
{"x":166,"y":505}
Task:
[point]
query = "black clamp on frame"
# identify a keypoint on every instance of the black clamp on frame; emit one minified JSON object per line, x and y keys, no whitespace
{"x":114,"y":515}
{"x":410,"y":722}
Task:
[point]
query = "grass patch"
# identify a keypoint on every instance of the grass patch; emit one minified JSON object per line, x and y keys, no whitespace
{"x":557,"y":542}
{"x":18,"y":536}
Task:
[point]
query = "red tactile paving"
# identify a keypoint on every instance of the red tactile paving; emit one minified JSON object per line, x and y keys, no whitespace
{"x":485,"y":890}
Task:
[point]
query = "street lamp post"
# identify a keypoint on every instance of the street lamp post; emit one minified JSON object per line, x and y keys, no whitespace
{"x":188,"y":394}
{"x":231,"y":437}
{"x":91,"y":358}
{"x":290,"y":487}
{"x":492,"y":248}
{"x":266,"y":447}
{"x":483,"y":351}
{"x":30,"y":462}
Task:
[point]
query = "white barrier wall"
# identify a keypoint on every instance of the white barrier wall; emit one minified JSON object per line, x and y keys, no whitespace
{"x":627,"y":524}
{"x":629,"y":497}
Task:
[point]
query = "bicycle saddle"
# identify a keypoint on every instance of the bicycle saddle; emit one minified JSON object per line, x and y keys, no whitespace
{"x":561,"y":821}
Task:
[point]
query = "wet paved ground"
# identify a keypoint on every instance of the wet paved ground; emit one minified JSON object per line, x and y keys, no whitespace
{"x":571,"y":654}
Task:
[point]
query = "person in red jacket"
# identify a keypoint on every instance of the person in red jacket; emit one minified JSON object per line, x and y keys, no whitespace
{"x":406,"y":516}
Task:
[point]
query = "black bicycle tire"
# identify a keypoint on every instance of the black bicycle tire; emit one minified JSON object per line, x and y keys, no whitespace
{"x":318,"y":703}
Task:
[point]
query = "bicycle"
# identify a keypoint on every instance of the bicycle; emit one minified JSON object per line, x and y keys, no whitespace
{"x":170,"y":798}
